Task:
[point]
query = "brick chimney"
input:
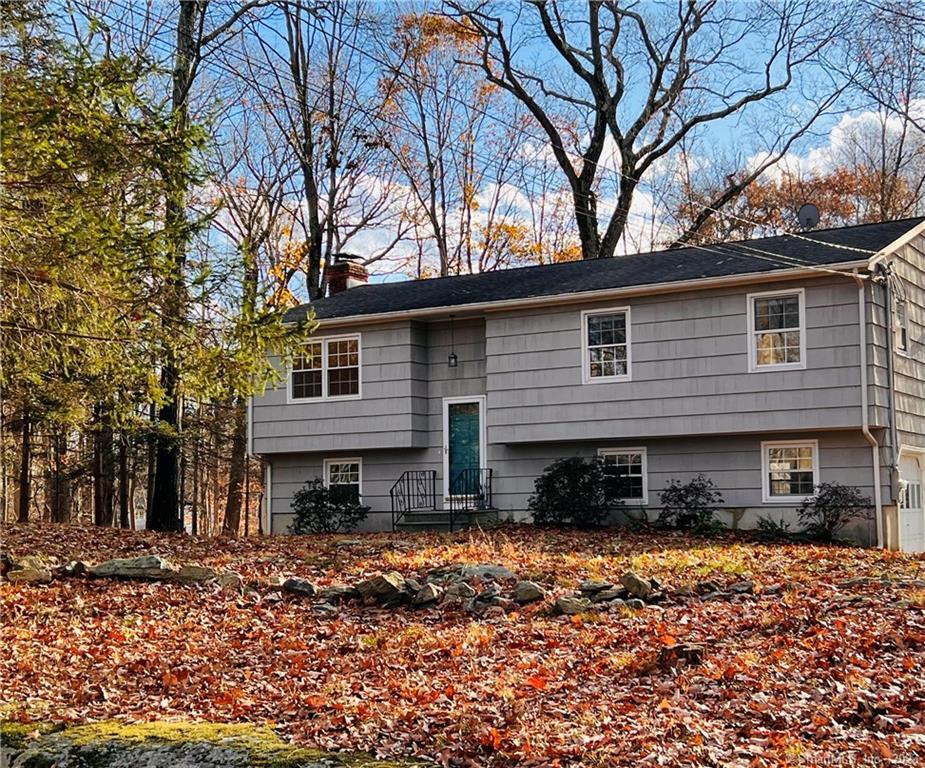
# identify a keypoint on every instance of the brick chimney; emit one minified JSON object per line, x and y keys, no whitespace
{"x":345,"y":272}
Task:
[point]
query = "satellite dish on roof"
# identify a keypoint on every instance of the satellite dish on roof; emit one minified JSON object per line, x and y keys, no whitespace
{"x":808,"y":216}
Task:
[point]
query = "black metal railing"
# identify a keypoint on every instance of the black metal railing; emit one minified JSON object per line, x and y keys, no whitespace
{"x":470,"y":492}
{"x":415,"y":489}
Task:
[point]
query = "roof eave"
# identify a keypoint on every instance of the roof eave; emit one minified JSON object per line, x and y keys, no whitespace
{"x":917,"y":231}
{"x":581,"y":297}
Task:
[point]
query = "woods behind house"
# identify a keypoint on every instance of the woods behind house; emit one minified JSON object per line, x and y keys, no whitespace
{"x":178,"y":175}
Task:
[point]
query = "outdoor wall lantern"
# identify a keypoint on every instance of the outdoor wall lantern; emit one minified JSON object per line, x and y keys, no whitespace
{"x":452,"y":361}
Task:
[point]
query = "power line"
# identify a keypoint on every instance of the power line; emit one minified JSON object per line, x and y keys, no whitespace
{"x":289,"y":80}
{"x":491,"y":116}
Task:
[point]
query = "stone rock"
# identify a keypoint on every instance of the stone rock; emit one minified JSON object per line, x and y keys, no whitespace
{"x":384,"y":588}
{"x":347,"y":543}
{"x":528,"y":592}
{"x":744,"y":587}
{"x":705,"y":587}
{"x":325,"y":610}
{"x":591,"y":587}
{"x":635,"y":604}
{"x":412,"y":585}
{"x":429,"y":593}
{"x":485,"y":605}
{"x":144,"y":567}
{"x":488,"y":595}
{"x":614,"y":605}
{"x":29,"y":570}
{"x":609,"y":595}
{"x":460,"y":589}
{"x":772,"y":589}
{"x":195,"y":574}
{"x":339,"y":593}
{"x":73,"y":568}
{"x":687,"y":653}
{"x":296,"y":586}
{"x":6,"y":563}
{"x":636,"y":585}
{"x":569,"y":606}
{"x":486,"y":571}
{"x":711,"y":596}
{"x":230,"y":581}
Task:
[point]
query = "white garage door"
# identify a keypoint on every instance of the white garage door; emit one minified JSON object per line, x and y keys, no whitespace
{"x":911,"y":513}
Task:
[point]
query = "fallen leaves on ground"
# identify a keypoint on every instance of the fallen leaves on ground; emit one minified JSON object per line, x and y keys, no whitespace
{"x":822,"y":671}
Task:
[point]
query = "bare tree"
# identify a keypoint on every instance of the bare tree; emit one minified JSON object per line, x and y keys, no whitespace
{"x":637,"y":80}
{"x":458,"y":163}
{"x":255,"y":168}
{"x":313,"y":81}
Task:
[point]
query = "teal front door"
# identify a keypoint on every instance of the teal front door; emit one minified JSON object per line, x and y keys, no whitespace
{"x":463,"y":444}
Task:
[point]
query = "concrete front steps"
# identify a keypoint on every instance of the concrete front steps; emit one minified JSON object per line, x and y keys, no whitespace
{"x":439,"y":520}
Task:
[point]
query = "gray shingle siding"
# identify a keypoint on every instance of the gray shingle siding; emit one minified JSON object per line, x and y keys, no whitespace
{"x":692,"y":402}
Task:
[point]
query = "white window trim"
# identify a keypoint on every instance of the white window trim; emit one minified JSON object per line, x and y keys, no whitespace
{"x":901,"y":327}
{"x":483,"y":459}
{"x":324,"y":341}
{"x":586,"y":377}
{"x":766,"y":496}
{"x":753,"y":366}
{"x":645,"y":470}
{"x":326,"y":464}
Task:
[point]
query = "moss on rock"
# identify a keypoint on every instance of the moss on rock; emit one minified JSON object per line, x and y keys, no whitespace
{"x":169,"y":744}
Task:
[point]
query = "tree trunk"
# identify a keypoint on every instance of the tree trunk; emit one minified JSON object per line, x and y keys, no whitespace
{"x":25,"y":485}
{"x":124,"y":489}
{"x":232,"y":524}
{"x":152,"y":463}
{"x":104,"y":470}
{"x":165,"y":508}
{"x":196,"y":471}
{"x":586,"y":219}
{"x":61,"y":504}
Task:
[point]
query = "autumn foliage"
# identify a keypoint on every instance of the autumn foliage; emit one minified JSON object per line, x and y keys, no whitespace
{"x":831,"y":665}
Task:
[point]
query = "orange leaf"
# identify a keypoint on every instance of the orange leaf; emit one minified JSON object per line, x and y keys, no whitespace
{"x":537,"y":682}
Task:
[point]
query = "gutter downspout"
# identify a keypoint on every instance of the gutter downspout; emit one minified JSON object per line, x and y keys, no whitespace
{"x":891,"y":371}
{"x":865,"y":414}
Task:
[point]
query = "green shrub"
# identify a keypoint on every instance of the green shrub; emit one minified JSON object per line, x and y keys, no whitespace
{"x":773,"y":529}
{"x":832,"y":507}
{"x":690,"y":506}
{"x":319,"y":509}
{"x":571,"y":492}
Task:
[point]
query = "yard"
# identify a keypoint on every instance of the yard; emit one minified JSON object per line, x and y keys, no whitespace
{"x":817,"y":655}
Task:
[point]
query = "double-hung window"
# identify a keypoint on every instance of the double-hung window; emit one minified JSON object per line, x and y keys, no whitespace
{"x":326,"y":369}
{"x":343,"y":477}
{"x":625,"y":474}
{"x":790,"y":470}
{"x":605,"y":345}
{"x":901,"y":325}
{"x":776,"y":330}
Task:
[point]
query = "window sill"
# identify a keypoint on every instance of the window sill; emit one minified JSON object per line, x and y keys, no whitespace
{"x":301,"y":400}
{"x":777,"y":367}
{"x":606,"y":379}
{"x":786,"y":501}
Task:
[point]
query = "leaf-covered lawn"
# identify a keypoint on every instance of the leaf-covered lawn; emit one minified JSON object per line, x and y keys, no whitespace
{"x":818,"y":672}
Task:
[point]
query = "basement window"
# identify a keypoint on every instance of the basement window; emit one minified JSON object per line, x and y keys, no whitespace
{"x":790,"y":470}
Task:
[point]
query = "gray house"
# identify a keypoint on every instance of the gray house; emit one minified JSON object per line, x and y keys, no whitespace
{"x":769,"y":365}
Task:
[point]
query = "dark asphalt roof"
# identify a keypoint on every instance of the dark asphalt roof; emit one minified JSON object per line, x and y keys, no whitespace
{"x":813,"y":248}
